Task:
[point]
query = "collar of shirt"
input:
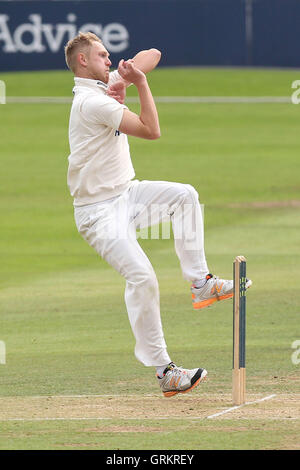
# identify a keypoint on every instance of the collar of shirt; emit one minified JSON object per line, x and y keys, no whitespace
{"x":88,"y":82}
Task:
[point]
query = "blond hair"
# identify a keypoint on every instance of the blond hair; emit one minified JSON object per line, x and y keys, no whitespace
{"x":81,"y":43}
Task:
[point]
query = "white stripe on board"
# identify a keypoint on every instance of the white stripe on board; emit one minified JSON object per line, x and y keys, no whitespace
{"x":158,"y":99}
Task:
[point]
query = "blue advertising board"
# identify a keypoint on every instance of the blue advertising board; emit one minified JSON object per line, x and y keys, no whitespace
{"x":189,"y":32}
{"x":276,"y":33}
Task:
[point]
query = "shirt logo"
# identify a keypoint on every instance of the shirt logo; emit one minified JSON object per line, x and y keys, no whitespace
{"x":117,"y":133}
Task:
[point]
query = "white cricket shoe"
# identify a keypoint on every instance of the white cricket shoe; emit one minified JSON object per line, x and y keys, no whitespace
{"x":214,"y":289}
{"x":177,"y":380}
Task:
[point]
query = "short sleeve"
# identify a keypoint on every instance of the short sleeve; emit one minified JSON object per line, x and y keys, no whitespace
{"x":114,"y":77}
{"x":103,"y":110}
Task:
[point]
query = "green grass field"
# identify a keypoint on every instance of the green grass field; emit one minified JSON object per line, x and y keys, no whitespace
{"x":69,"y":346}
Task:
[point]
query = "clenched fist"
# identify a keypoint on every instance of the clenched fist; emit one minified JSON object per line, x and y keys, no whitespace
{"x":130,"y":73}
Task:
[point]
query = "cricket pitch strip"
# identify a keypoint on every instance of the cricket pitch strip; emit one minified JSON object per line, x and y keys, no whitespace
{"x":148,"y":407}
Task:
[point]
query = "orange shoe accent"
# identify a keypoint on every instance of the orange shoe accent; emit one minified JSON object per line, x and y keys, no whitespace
{"x":174,"y":382}
{"x":194,"y":385}
{"x":171,"y":394}
{"x":204,"y":303}
{"x":219,"y":288}
{"x":208,"y":302}
{"x":216,"y":289}
{"x":224,"y":297}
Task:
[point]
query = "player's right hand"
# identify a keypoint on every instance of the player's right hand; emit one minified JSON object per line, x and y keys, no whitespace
{"x":129,"y":72}
{"x":117,"y":91}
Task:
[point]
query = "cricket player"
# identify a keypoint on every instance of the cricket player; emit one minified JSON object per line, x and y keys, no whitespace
{"x":110,"y":204}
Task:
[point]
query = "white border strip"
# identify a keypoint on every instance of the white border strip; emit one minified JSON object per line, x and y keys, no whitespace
{"x":159,"y":99}
{"x":232,"y":408}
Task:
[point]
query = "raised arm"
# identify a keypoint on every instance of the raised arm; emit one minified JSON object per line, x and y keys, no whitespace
{"x":147,"y":60}
{"x":146,"y":125}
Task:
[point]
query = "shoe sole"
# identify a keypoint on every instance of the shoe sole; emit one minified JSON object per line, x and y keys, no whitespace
{"x":200,"y":379}
{"x":208,"y":302}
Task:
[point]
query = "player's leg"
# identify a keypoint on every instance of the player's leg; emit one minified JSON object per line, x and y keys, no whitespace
{"x":159,"y":201}
{"x":156,"y":201}
{"x":105,"y":228}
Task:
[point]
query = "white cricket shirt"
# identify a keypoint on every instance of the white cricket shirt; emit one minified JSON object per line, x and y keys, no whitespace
{"x":100,"y":165}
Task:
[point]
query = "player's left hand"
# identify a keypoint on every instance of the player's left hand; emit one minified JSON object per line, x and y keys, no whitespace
{"x":117,"y":91}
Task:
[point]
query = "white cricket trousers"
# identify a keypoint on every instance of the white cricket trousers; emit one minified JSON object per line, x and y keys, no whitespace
{"x":110,"y":228}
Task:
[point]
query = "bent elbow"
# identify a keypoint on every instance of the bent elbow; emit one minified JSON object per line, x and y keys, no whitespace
{"x":155,"y":135}
{"x":157,"y":53}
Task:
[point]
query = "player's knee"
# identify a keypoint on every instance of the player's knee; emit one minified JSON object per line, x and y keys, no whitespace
{"x":143,"y":275}
{"x":191,"y":192}
{"x":151,"y":283}
{"x":149,"y":279}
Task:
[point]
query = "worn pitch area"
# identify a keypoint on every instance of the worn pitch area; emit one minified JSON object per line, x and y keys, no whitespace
{"x":280,"y":406}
